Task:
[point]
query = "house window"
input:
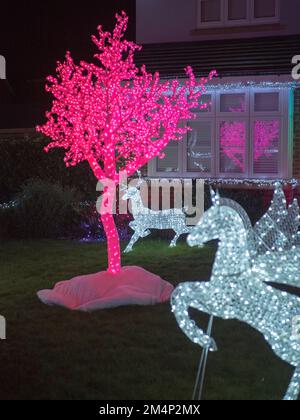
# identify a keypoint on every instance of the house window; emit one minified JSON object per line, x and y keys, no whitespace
{"x":264,"y":9}
{"x":226,"y":13}
{"x":237,"y":10}
{"x":170,"y":163}
{"x":199,"y":147}
{"x":241,"y":134}
{"x":232,"y":146}
{"x":211,"y":11}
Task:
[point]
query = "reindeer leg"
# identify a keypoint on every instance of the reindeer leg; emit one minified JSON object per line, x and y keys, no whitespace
{"x":135,"y":237}
{"x":294,"y":387}
{"x":146,"y":233}
{"x":174,"y":240}
{"x":181,"y":230}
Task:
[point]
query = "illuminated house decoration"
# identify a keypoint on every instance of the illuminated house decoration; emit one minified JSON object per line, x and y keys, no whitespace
{"x":116,"y":117}
{"x":238,"y":290}
{"x":146,"y":219}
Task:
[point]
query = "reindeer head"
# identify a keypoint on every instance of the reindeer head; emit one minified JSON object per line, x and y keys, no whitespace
{"x":132,"y":193}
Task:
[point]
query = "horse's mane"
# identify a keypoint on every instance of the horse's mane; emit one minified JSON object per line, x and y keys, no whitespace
{"x":227,"y":202}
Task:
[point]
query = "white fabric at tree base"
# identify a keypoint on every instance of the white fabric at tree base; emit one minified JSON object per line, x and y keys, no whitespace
{"x":132,"y":286}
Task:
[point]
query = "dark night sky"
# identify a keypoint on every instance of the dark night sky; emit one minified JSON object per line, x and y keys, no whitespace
{"x":34,"y":34}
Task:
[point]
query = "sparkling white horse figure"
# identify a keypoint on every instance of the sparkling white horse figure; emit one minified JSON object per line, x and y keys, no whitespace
{"x":146,"y":219}
{"x":237,"y":290}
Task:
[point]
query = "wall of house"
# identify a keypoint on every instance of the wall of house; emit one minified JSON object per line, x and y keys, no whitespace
{"x":174,"y":21}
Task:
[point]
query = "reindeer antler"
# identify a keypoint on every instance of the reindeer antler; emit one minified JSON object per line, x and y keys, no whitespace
{"x":140,"y":179}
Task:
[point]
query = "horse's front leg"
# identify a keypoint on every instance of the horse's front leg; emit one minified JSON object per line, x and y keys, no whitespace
{"x":182,"y":299}
{"x":293,"y":391}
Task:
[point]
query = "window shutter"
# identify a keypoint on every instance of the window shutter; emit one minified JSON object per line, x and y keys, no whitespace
{"x":199,"y":144}
{"x":210,"y":11}
{"x":266,"y":147}
{"x":170,"y":163}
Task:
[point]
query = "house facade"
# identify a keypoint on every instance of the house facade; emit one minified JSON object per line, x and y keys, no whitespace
{"x":250,"y":131}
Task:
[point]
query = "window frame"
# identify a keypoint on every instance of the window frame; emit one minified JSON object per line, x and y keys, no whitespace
{"x":225,"y":22}
{"x":264,"y":20}
{"x":223,"y":114}
{"x":285,"y":115}
{"x":218,"y":172}
{"x":152,"y":166}
{"x":237,"y":22}
{"x":215,"y":24}
{"x":281,"y":152}
{"x":199,"y":174}
{"x":281,"y":107}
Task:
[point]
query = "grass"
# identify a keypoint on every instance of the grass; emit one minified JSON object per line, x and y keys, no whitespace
{"x":124,"y":353}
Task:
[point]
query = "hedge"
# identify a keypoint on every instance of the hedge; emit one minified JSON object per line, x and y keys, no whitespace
{"x":24,"y":158}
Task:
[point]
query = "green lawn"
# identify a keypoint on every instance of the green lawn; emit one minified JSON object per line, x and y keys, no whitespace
{"x":124,"y":353}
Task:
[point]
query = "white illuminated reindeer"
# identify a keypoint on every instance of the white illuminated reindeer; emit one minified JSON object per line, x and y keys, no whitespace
{"x":146,"y":219}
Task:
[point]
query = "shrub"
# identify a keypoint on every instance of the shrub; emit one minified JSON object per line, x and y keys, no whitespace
{"x":24,"y":158}
{"x":47,"y":210}
{"x":6,"y":221}
{"x":43,"y":210}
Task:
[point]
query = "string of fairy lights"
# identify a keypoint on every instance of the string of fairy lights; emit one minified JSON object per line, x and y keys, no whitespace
{"x":220,"y":86}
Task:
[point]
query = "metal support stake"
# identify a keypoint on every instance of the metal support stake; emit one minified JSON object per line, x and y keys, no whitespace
{"x":202,"y":366}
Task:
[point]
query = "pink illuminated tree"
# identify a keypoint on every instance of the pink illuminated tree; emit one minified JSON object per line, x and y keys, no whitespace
{"x":117,"y":116}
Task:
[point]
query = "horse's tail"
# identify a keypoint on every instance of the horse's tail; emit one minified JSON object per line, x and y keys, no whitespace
{"x":183,"y":297}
